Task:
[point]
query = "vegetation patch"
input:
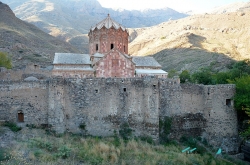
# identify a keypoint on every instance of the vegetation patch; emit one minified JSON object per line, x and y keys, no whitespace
{"x":13,"y":127}
{"x":165,"y":128}
{"x":5,"y":60}
{"x":125,"y":131}
{"x":74,"y":149}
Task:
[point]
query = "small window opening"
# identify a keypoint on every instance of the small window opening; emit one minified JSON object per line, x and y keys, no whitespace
{"x":96,"y":91}
{"x":96,"y":47}
{"x":112,"y":46}
{"x":124,"y":89}
{"x":228,"y":102}
{"x":20,"y":116}
{"x":154,"y":86}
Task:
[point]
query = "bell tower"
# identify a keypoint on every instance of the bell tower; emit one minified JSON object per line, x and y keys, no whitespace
{"x":107,"y":35}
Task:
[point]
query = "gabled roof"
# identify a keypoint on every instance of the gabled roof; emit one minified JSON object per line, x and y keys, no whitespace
{"x":71,"y":58}
{"x":108,"y":23}
{"x":146,"y":61}
{"x":150,"y":71}
{"x":98,"y":55}
{"x":114,"y":50}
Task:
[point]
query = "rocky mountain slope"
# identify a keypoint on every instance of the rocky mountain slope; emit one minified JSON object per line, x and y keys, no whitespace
{"x":27,"y":43}
{"x":70,"y":20}
{"x":234,"y":7}
{"x":195,"y":41}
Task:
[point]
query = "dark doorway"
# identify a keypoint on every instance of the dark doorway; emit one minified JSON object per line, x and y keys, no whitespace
{"x":20,"y":117}
{"x":112,"y":46}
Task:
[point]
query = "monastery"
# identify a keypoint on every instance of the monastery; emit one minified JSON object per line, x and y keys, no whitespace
{"x":108,"y":56}
{"x":107,"y":88}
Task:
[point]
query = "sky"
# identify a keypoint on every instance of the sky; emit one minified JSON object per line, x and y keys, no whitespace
{"x":179,"y":5}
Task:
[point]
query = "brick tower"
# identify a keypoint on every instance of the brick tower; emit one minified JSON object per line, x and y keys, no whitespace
{"x":107,"y":35}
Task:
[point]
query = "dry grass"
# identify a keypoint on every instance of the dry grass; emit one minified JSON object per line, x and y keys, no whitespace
{"x":223,"y":35}
{"x":36,"y":147}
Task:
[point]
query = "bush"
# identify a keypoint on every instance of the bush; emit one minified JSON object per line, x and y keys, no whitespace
{"x":147,"y":139}
{"x":13,"y":127}
{"x":165,"y":128}
{"x":63,"y":152}
{"x":184,"y":76}
{"x":4,"y":155}
{"x":125,"y":131}
{"x":5,"y":61}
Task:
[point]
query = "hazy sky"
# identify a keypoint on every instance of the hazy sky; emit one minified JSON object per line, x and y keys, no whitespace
{"x":179,"y":5}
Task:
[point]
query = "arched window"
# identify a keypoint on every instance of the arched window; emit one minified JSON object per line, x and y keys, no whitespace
{"x":96,"y":47}
{"x":112,"y":46}
{"x":20,"y":116}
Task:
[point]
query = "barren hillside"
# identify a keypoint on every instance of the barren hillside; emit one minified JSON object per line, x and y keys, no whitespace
{"x":195,"y":41}
{"x":25,"y":42}
{"x":70,"y":20}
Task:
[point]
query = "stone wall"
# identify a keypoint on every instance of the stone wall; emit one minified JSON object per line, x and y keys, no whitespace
{"x":29,"y":98}
{"x":30,"y":70}
{"x":104,"y":104}
{"x":199,"y":110}
{"x":115,"y":64}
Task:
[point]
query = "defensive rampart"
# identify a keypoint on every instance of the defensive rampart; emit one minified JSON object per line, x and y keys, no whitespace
{"x":104,"y":104}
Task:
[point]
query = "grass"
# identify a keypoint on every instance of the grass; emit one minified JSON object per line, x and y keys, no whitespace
{"x":42,"y":148}
{"x":13,"y":127}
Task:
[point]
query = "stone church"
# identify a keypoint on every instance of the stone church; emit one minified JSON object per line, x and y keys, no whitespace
{"x":108,"y":56}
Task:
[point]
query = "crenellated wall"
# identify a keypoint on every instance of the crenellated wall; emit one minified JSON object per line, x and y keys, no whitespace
{"x":104,"y":104}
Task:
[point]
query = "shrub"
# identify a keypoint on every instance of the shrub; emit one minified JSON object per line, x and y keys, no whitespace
{"x":5,"y":61}
{"x":4,"y":155}
{"x":13,"y":127}
{"x":147,"y":139}
{"x":125,"y":131}
{"x":63,"y":152}
{"x":165,"y":128}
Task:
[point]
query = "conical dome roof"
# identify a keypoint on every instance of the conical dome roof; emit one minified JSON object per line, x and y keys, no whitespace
{"x":108,"y":23}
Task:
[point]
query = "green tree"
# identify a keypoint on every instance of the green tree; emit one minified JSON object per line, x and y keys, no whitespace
{"x":242,"y":98}
{"x":184,"y":76}
{"x":5,"y":61}
{"x":172,"y":73}
{"x":204,"y":76}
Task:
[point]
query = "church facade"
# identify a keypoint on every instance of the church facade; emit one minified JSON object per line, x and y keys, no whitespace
{"x":108,"y":56}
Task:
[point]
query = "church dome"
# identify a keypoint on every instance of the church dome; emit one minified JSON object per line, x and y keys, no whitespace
{"x":108,"y":23}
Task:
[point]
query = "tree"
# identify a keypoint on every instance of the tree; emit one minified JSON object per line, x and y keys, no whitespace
{"x":172,"y":73}
{"x":5,"y":61}
{"x":242,"y":98}
{"x":184,"y":76}
{"x":204,"y":76}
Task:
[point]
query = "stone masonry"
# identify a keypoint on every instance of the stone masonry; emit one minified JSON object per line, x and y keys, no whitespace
{"x":104,"y":104}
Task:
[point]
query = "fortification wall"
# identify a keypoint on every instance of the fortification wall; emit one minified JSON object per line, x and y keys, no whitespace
{"x":28,"y":98}
{"x":104,"y":104}
{"x":30,"y":70}
{"x":199,"y":110}
{"x":222,"y":128}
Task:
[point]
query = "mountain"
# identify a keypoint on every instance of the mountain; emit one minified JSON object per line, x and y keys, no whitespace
{"x":234,"y":7}
{"x":195,"y":41}
{"x":27,"y":43}
{"x":70,"y":20}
